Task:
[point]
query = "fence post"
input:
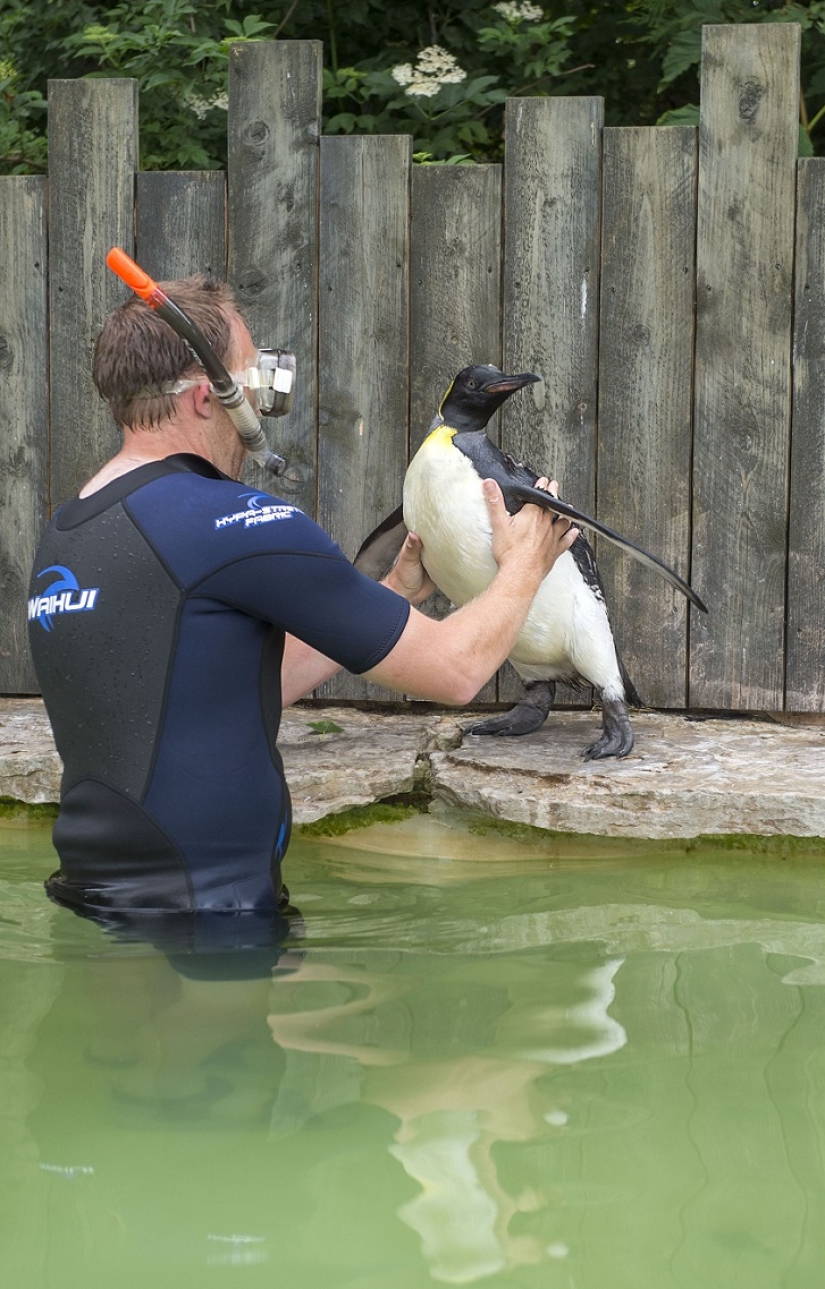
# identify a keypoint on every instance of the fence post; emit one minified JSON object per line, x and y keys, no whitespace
{"x":455,"y":281}
{"x":364,"y":341}
{"x":455,"y":296}
{"x":24,"y":455}
{"x":93,"y":156}
{"x":748,"y":142}
{"x":181,"y":223}
{"x":805,"y":677}
{"x":645,"y":394}
{"x":552,"y":194}
{"x":274,"y":128}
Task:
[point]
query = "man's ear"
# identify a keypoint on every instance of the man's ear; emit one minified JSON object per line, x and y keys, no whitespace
{"x":202,"y":403}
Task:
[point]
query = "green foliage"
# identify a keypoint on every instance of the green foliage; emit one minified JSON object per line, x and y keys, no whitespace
{"x":451,"y":105}
{"x":437,"y":69}
{"x":20,"y":812}
{"x":358,"y":817}
{"x":180,"y":58}
{"x":22,"y":125}
{"x":325,"y":727}
{"x":674,"y":32}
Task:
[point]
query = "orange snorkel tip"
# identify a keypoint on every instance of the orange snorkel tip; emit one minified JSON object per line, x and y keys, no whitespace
{"x":133,"y":275}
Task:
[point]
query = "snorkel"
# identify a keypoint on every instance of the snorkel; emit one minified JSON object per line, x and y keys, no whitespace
{"x":228,"y":391}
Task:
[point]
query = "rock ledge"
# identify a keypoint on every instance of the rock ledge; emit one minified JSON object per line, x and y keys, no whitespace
{"x":685,"y":778}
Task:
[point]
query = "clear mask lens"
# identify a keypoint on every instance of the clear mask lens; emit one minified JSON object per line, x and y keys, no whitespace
{"x":272,"y":380}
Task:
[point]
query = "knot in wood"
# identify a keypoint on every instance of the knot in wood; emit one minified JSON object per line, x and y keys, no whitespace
{"x":256,"y":132}
{"x":293,"y":479}
{"x":255,"y":138}
{"x":749,"y":99}
{"x":5,"y":353}
{"x":252,"y":282}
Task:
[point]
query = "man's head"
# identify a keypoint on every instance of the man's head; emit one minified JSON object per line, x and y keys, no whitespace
{"x":137,"y":353}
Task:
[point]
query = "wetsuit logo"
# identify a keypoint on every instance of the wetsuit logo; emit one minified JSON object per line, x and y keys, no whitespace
{"x":61,"y":596}
{"x":260,"y":509}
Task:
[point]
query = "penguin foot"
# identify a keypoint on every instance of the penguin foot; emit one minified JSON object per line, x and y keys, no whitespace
{"x":617,"y":735}
{"x":528,"y":715}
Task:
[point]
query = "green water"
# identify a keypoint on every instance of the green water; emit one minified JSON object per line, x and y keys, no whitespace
{"x":486,"y":1061}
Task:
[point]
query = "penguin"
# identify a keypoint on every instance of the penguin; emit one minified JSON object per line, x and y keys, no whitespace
{"x":567,"y":636}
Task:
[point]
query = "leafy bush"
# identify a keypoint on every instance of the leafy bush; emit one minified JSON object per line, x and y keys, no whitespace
{"x":437,"y":69}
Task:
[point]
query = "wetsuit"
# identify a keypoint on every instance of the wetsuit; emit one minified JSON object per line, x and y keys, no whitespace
{"x":157,"y":617}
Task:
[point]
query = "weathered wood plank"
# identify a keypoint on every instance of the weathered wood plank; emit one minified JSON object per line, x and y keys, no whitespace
{"x":455,"y":295}
{"x":552,"y":189}
{"x":645,"y":394}
{"x":274,"y":128}
{"x":181,"y":223}
{"x":455,"y":281}
{"x":364,"y":339}
{"x":551,"y":285}
{"x":805,"y":678}
{"x":745,"y":242}
{"x":24,"y":442}
{"x":93,"y":156}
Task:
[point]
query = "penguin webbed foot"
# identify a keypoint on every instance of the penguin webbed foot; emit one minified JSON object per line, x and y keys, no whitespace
{"x":617,"y":734}
{"x":528,"y":715}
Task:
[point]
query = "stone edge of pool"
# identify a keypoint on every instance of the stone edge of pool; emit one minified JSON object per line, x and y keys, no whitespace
{"x":687,"y":777}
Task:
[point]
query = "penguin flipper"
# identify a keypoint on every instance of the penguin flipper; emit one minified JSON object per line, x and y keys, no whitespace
{"x":638,"y":553}
{"x":379,"y":551}
{"x":516,"y":481}
{"x":578,"y":517}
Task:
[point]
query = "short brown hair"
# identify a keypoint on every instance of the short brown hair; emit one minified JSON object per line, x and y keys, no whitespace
{"x":137,"y":352}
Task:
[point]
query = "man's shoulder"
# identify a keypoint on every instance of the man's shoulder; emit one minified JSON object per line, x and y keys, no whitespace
{"x":210,"y":501}
{"x":199,"y":523}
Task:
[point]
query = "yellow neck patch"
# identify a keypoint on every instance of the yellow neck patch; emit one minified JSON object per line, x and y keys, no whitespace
{"x":440,"y":437}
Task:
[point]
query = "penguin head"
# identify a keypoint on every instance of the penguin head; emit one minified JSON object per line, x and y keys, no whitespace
{"x":476,"y":393}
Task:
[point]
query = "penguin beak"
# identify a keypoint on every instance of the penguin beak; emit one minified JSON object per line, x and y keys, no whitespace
{"x":509,"y":384}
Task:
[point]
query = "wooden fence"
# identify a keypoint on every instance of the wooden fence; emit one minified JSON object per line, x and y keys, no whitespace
{"x":667,"y":283}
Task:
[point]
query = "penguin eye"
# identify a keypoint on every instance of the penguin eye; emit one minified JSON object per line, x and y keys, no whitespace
{"x":472,"y":384}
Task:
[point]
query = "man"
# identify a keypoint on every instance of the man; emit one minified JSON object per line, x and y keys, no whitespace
{"x":174,"y":612}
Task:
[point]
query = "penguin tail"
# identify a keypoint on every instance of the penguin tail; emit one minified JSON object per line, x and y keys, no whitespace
{"x":631,"y":697}
{"x":379,"y":551}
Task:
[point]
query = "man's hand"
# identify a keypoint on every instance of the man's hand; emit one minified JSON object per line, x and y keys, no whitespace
{"x":448,"y":661}
{"x":533,"y":537}
{"x":408,"y":576}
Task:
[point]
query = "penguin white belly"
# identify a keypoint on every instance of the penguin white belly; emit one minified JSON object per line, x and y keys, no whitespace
{"x":567,"y":633}
{"x":444,"y":504}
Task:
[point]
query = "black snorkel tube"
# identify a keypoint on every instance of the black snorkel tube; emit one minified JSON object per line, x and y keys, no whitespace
{"x":224,"y":386}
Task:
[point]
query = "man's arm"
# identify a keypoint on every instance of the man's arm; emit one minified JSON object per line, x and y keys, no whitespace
{"x":304,"y":668}
{"x":450,"y":660}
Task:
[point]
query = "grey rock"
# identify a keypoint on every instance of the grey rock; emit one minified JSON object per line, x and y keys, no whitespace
{"x":685,"y":777}
{"x":30,"y":768}
{"x":374,"y":756}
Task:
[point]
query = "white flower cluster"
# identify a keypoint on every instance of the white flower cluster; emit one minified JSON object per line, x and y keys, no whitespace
{"x":200,"y":106}
{"x":434,"y":67}
{"x":519,"y":12}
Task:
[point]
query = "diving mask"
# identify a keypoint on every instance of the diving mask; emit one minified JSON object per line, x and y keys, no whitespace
{"x":271,"y":381}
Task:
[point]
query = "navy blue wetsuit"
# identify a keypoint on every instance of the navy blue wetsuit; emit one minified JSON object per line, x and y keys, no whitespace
{"x":157,"y":617}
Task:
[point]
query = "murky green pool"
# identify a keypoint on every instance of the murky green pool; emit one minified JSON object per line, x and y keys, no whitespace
{"x":485,"y":1061}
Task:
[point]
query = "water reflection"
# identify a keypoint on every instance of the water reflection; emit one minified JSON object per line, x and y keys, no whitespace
{"x":453,"y":1102}
{"x":599,"y":1075}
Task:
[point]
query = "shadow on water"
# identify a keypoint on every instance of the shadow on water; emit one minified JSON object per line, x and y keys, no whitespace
{"x":476,"y":1059}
